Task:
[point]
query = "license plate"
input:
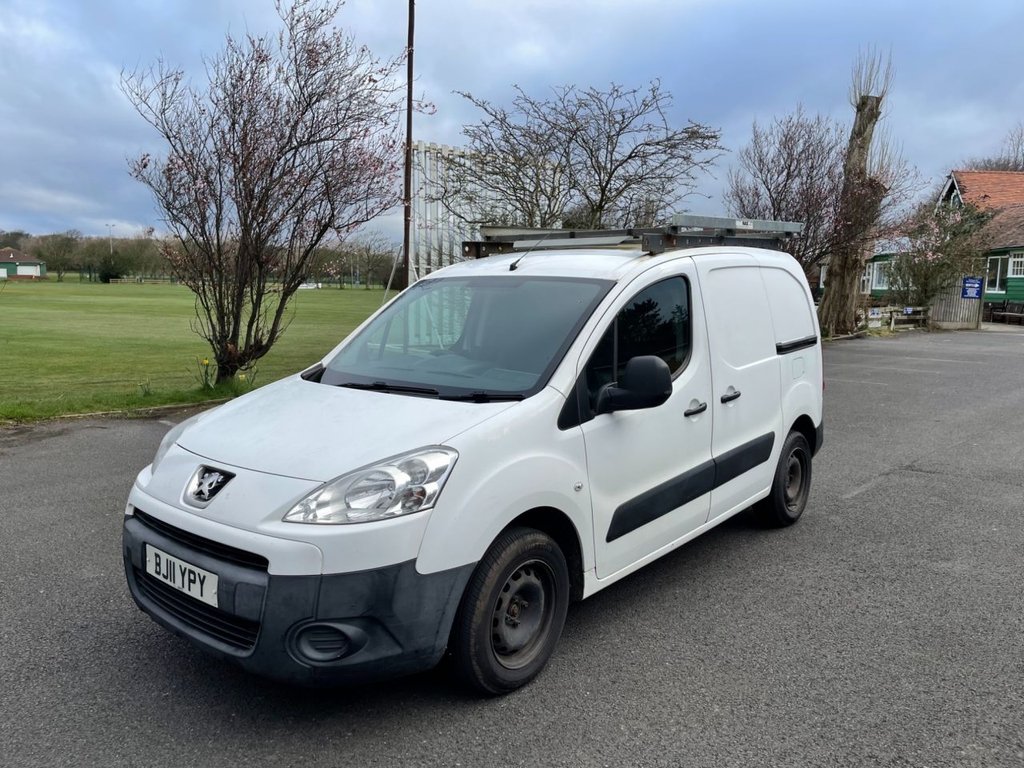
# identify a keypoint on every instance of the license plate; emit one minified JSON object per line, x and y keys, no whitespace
{"x":185,"y":577}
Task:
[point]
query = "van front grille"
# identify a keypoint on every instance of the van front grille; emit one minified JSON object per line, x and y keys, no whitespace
{"x":200,"y":544}
{"x":231,"y":630}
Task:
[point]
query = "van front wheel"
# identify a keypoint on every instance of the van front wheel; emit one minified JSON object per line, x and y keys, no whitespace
{"x":792,"y":484}
{"x":512,"y":613}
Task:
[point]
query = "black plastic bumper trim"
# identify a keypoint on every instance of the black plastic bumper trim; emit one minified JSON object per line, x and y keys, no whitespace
{"x":399,"y":619}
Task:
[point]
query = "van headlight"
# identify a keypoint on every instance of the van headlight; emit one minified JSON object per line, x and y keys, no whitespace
{"x":398,"y":486}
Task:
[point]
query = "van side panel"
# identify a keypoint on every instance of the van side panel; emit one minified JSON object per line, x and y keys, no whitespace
{"x":797,"y":338}
{"x":745,"y":398}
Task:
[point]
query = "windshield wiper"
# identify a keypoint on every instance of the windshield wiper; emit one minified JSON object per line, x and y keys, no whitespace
{"x":383,"y":386}
{"x":484,"y":397}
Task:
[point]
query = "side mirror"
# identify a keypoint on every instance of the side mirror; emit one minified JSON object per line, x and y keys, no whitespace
{"x":646,"y":383}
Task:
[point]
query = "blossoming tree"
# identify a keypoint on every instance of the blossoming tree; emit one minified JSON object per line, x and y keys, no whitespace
{"x":293,"y":138}
{"x":944,"y":244}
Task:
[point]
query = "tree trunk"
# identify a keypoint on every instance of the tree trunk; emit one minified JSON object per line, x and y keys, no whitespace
{"x":858,"y":212}
{"x":228,"y":362}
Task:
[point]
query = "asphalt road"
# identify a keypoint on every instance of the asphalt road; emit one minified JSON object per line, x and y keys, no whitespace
{"x":885,"y":629}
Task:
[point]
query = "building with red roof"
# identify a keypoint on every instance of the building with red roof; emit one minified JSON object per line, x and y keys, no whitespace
{"x":14,"y":264}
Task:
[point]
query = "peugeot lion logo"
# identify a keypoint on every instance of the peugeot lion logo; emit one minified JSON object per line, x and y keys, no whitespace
{"x":205,"y":484}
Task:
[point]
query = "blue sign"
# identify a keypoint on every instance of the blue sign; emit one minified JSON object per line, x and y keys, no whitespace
{"x":971,"y":288}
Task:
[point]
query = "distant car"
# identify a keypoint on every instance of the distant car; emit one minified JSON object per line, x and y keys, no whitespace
{"x":505,"y":436}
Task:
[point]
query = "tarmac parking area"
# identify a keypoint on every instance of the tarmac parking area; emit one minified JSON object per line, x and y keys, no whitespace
{"x":885,"y":629}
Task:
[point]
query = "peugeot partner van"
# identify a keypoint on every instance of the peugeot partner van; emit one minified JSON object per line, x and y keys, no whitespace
{"x":508,"y":435}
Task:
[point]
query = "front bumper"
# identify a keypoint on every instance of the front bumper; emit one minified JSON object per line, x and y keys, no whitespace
{"x":309,"y":630}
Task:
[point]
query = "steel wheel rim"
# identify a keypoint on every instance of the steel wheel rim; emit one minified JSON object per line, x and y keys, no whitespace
{"x":796,"y":471}
{"x":521,"y":618}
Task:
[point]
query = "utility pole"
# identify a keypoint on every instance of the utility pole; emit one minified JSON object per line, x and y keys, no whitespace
{"x":110,"y":237}
{"x":402,"y":280}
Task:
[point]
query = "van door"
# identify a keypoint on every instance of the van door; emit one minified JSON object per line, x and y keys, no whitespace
{"x":650,"y":470}
{"x":746,"y":401}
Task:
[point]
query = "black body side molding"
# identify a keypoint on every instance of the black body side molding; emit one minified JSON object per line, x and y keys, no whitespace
{"x":662,"y":499}
{"x":785,"y":347}
{"x":734,"y":463}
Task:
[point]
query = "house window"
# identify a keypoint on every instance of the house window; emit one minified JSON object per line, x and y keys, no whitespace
{"x":865,"y":278}
{"x":880,"y":276}
{"x":1016,"y":265}
{"x":995,"y":279}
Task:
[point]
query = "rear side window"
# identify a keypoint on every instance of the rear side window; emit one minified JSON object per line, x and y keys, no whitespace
{"x":791,"y":310}
{"x":655,"y":322}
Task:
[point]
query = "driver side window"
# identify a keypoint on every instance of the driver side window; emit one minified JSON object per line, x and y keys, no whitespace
{"x":655,"y":322}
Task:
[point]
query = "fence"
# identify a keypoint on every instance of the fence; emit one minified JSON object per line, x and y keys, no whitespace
{"x":951,"y":312}
{"x":115,"y":280}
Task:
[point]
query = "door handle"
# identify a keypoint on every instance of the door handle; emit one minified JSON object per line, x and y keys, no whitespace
{"x":696,"y":409}
{"x":731,"y":396}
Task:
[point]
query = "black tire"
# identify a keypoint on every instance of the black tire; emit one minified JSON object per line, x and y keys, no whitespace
{"x":791,"y":486}
{"x":512,"y":612}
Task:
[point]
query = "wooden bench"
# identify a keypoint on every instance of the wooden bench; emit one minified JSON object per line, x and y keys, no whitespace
{"x":1013,"y":313}
{"x":916,"y":316}
{"x":989,"y":307}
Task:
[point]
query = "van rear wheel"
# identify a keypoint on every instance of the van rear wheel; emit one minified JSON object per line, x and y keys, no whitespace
{"x":512,"y":612}
{"x":791,"y":485}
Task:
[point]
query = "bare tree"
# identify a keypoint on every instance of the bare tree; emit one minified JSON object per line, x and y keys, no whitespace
{"x":373,"y":254}
{"x":327,"y":263}
{"x":58,"y":251}
{"x":792,"y":170}
{"x":1010,"y":157}
{"x":293,"y":138}
{"x":596,"y":158}
{"x":369,"y":258}
{"x":142,"y":255}
{"x":514,"y":170}
{"x":865,"y":188}
{"x":14,"y":239}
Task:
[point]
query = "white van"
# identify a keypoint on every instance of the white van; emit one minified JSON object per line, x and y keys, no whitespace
{"x":507,"y":435}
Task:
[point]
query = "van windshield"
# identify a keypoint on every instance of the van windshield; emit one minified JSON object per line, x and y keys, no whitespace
{"x":473,"y":338}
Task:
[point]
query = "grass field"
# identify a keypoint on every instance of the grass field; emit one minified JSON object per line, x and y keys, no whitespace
{"x":76,"y":347}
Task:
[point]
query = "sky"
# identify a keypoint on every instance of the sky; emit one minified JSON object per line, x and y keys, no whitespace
{"x":67,"y":131}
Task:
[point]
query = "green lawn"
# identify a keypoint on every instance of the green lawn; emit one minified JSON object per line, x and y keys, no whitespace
{"x":76,"y":347}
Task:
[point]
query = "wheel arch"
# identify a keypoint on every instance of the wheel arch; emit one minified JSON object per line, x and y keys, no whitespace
{"x":559,"y":527}
{"x":805,"y":426}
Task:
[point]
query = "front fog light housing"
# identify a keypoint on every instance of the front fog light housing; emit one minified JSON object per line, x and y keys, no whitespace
{"x":398,"y":486}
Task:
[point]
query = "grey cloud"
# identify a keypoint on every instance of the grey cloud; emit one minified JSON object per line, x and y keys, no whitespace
{"x":66,"y":130}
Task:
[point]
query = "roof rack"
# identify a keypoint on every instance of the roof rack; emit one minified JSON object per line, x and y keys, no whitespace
{"x":683,"y":230}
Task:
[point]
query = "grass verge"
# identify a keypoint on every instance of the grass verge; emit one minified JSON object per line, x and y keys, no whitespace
{"x":72,"y":347}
